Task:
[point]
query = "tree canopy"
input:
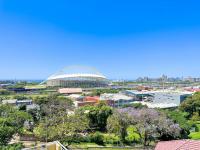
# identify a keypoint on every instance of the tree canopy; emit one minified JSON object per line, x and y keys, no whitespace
{"x":150,"y":124}
{"x":192,"y":106}
{"x":11,"y":122}
{"x":98,"y":115}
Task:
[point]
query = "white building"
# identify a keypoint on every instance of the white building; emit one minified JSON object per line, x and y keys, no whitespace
{"x":117,"y":100}
{"x":159,"y":99}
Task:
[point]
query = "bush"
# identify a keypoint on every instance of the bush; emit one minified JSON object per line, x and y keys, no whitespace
{"x":111,"y":139}
{"x":80,"y":138}
{"x":22,"y":107}
{"x":133,"y":136}
{"x":4,"y":92}
{"x":20,"y":97}
{"x":97,"y":138}
{"x":17,"y":146}
{"x":198,"y":127}
{"x":195,"y":135}
{"x":195,"y":117}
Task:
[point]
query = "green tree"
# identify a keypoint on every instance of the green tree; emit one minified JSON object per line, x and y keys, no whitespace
{"x":191,"y":105}
{"x":20,"y":97}
{"x":11,"y":122}
{"x":6,"y":131}
{"x":40,"y":100}
{"x":17,"y":146}
{"x":98,"y":92}
{"x":97,"y":138}
{"x":150,"y":124}
{"x":132,"y":135}
{"x":4,"y":92}
{"x":180,"y":118}
{"x":58,"y":122}
{"x":35,"y":113}
{"x":98,"y":115}
{"x":118,"y":124}
{"x":53,"y":104}
{"x":65,"y":128}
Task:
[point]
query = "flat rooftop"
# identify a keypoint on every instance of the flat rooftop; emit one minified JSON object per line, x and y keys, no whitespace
{"x":178,"y":92}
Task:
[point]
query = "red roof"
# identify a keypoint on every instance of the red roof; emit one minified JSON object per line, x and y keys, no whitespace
{"x":179,"y":145}
{"x":91,"y":98}
{"x":193,"y":89}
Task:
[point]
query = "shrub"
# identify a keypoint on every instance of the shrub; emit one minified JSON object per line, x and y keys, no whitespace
{"x":195,"y":117}
{"x":20,"y":97}
{"x":80,"y":138}
{"x":133,"y":136}
{"x":111,"y":139}
{"x":4,"y":92}
{"x":195,"y":135}
{"x":17,"y":146}
{"x":97,"y":138}
{"x":198,"y":127}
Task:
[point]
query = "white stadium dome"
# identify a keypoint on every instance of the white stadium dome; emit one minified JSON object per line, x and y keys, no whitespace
{"x":77,"y":76}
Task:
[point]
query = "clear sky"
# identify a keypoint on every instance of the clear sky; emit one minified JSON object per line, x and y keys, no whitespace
{"x":121,"y":38}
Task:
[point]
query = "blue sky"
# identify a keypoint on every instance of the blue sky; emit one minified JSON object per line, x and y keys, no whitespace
{"x":122,"y":39}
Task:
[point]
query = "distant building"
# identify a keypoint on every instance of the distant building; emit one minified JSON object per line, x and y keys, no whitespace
{"x":116,"y":100}
{"x":24,"y":102}
{"x":164,"y":78}
{"x":10,"y":102}
{"x":81,"y":104}
{"x":91,"y":98}
{"x":146,"y":79}
{"x":70,"y":91}
{"x":4,"y":85}
{"x":193,"y":89}
{"x":139,"y":95}
{"x":15,"y":102}
{"x":189,"y":79}
{"x":87,"y":100}
{"x":18,"y":90}
{"x":159,"y":99}
{"x":76,"y":97}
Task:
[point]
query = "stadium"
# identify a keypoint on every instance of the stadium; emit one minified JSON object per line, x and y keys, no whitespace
{"x":77,"y":76}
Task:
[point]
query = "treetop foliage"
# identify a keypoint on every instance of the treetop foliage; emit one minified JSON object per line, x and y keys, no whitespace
{"x":11,"y":122}
{"x":192,"y":106}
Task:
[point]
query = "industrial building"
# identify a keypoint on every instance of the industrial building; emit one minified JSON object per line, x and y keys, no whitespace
{"x":77,"y":76}
{"x":159,"y":99}
{"x":15,"y":102}
{"x":117,"y":99}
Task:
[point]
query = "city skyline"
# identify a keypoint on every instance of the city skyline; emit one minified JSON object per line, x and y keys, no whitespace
{"x":122,"y":40}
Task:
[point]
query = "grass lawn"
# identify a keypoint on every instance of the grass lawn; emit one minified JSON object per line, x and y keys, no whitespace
{"x":38,"y":86}
{"x":195,"y":135}
{"x":93,"y":146}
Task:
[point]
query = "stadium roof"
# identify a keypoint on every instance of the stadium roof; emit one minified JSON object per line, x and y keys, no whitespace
{"x":76,"y":71}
